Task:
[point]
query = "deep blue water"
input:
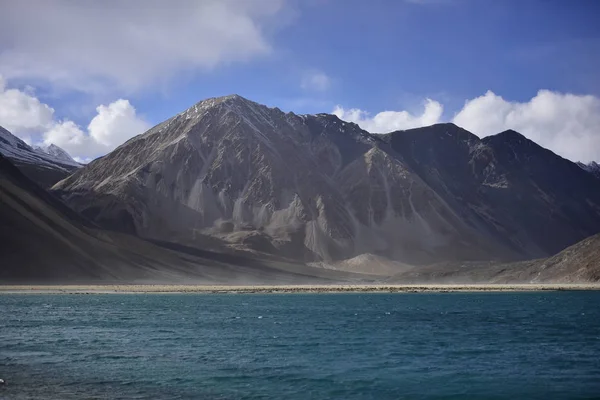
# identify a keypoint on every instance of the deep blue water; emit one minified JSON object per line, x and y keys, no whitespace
{"x":280,"y":346}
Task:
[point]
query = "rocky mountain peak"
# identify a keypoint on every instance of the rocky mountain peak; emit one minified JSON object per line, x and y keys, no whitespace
{"x":442,"y":134}
{"x":56,"y":152}
{"x":513,"y":147}
{"x":228,"y":100}
{"x":510,"y":135}
{"x":233,"y":102}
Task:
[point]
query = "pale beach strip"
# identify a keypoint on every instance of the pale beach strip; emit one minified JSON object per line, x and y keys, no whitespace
{"x":341,"y":288}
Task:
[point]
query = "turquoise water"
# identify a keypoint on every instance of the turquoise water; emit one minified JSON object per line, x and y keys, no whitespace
{"x":279,"y":346}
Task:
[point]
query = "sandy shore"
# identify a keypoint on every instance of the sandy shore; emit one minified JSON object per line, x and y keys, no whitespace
{"x":96,"y":289}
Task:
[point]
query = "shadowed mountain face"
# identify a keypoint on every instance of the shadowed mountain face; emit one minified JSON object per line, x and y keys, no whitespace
{"x":44,"y":241}
{"x":44,"y":165}
{"x":312,"y":187}
{"x":505,"y":186}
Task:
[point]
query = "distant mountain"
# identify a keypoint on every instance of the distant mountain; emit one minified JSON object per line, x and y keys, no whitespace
{"x":56,"y":152}
{"x":315,"y":188}
{"x":593,"y":168}
{"x":44,"y":165}
{"x":44,"y":241}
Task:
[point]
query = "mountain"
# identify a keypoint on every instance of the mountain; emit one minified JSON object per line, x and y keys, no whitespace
{"x":579,"y":263}
{"x":593,"y":168}
{"x":315,"y":188}
{"x":307,"y":187}
{"x":44,"y":241}
{"x":44,"y":165}
{"x":57,"y":153}
{"x":505,"y":186}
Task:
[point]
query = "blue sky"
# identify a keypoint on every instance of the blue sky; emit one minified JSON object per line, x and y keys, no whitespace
{"x":392,"y":54}
{"x":359,"y":58}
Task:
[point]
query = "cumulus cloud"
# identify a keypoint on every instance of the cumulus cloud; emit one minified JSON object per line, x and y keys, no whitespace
{"x":567,"y":124}
{"x":26,"y":116}
{"x":67,"y":135}
{"x":112,"y":126}
{"x":128,"y":44}
{"x":21,"y":112}
{"x":115,"y":123}
{"x":316,"y":81}
{"x":389,"y":121}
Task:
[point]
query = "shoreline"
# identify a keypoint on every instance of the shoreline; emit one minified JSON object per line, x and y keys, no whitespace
{"x":248,"y":289}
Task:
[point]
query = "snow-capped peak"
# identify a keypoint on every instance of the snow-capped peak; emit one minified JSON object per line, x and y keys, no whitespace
{"x":48,"y":156}
{"x":56,"y":152}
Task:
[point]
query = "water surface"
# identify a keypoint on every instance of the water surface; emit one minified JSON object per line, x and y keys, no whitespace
{"x":294,"y":346}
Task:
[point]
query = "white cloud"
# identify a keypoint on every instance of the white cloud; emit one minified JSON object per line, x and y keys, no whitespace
{"x":25,"y":115}
{"x":115,"y":123}
{"x":21,"y":112}
{"x":66,"y":135}
{"x":567,"y":124}
{"x":128,"y":44}
{"x":111,"y":127}
{"x":388,"y":121}
{"x":315,"y":81}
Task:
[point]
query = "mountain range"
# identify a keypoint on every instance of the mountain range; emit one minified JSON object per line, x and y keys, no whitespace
{"x":315,"y":193}
{"x":45,"y":165}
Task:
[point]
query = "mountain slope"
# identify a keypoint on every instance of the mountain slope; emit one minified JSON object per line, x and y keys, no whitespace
{"x":313,"y":187}
{"x":579,"y":263}
{"x":45,"y":166}
{"x":43,"y":240}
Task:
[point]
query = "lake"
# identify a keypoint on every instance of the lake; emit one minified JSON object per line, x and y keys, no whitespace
{"x":534,"y":345}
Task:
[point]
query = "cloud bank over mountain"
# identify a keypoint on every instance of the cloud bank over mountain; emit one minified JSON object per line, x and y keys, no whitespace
{"x":22,"y":113}
{"x":562,"y":122}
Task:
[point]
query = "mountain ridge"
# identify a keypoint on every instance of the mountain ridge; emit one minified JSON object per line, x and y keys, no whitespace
{"x":592,"y":167}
